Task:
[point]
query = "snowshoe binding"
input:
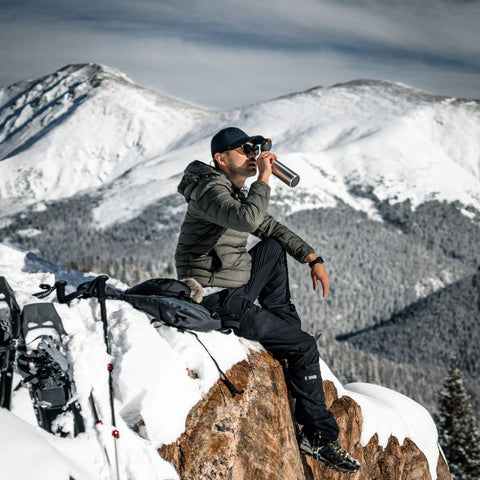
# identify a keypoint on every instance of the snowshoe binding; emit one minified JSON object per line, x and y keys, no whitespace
{"x":45,"y":369}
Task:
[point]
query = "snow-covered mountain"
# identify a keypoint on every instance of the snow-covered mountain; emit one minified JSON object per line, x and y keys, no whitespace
{"x":88,"y":128}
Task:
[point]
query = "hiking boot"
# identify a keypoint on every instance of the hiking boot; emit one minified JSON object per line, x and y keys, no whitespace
{"x":332,"y":453}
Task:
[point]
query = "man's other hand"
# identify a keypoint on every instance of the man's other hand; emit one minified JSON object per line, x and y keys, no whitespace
{"x":319,"y":274}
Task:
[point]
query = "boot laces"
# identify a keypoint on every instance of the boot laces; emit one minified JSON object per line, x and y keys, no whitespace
{"x":339,"y":450}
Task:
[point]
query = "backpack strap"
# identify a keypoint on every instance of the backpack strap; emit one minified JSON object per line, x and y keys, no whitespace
{"x":223,"y":376}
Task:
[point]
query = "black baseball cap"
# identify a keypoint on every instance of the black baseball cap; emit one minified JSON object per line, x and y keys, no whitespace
{"x":230,"y":138}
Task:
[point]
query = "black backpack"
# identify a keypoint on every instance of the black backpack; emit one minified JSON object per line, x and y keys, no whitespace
{"x":170,"y":302}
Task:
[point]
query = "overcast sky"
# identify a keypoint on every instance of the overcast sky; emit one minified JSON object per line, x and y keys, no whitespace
{"x":226,"y":53}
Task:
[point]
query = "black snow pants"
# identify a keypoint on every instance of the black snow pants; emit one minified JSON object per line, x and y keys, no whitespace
{"x":277,"y":326}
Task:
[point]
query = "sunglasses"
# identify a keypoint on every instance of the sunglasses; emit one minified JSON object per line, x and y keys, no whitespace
{"x":247,"y":149}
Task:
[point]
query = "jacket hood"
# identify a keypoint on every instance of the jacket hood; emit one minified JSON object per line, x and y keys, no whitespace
{"x":195,"y":172}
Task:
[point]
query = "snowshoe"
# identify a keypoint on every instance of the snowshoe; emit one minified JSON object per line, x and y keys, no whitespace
{"x":9,"y":332}
{"x":45,"y":369}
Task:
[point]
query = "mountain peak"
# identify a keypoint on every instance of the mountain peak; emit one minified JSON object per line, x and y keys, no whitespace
{"x":29,"y":109}
{"x":71,"y":73}
{"x":94,"y":72}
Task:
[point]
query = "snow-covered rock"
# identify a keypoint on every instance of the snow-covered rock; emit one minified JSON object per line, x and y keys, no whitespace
{"x":253,"y":436}
{"x":162,"y":376}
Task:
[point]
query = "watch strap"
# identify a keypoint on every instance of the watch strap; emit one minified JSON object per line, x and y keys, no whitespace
{"x":314,"y":262}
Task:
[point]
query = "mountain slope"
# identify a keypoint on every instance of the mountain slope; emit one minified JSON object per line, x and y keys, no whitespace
{"x":411,"y":335}
{"x":375,"y":269}
{"x":80,"y":128}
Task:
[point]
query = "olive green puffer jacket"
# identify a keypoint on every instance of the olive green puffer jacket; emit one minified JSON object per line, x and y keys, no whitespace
{"x":212,"y":246}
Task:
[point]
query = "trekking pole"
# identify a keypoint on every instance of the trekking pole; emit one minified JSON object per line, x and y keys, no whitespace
{"x":95,"y":288}
{"x":98,"y":423}
{"x":100,"y":291}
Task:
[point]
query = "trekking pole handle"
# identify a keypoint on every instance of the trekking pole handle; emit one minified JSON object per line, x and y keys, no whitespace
{"x":100,"y":282}
{"x":60,"y":286}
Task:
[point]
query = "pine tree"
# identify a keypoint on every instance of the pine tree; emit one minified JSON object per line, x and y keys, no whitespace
{"x":458,"y":433}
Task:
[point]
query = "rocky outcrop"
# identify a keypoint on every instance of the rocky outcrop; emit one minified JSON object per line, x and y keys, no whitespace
{"x":252,"y":436}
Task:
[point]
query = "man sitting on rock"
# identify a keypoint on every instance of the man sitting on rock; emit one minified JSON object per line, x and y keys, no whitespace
{"x":212,"y":249}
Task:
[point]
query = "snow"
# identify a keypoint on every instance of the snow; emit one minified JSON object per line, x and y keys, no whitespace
{"x":151,"y":383}
{"x":388,"y":413}
{"x":428,"y":285}
{"x":88,"y":128}
{"x":29,"y":232}
{"x":23,"y":443}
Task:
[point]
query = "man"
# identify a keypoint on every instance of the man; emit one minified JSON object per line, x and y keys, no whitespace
{"x":212,"y":249}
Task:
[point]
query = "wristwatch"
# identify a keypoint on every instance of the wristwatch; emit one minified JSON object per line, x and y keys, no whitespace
{"x":314,"y":262}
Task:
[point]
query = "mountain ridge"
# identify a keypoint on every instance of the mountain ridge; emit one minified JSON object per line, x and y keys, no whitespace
{"x":89,"y":128}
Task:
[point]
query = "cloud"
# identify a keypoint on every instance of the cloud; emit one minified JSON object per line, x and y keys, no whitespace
{"x":434,"y":26}
{"x":235,"y":52}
